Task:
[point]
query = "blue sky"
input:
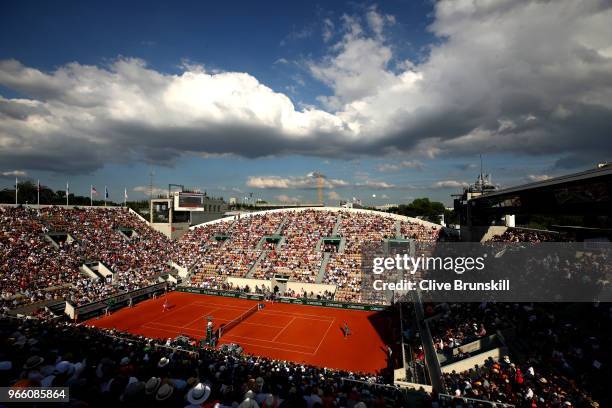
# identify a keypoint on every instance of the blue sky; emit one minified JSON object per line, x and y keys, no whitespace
{"x":395,"y":99}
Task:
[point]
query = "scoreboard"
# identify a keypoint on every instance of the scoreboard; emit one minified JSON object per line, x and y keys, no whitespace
{"x":188,"y":201}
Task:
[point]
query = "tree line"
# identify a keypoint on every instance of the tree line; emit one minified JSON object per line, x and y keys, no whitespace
{"x":427,"y":210}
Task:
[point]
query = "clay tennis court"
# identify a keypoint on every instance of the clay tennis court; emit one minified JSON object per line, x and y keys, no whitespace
{"x":298,"y":333}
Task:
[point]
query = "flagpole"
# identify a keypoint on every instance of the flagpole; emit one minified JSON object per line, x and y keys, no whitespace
{"x":125,"y":197}
{"x":105,"y":194}
{"x":90,"y":195}
{"x":67,"y":193}
{"x":38,"y":193}
{"x":16,"y":189}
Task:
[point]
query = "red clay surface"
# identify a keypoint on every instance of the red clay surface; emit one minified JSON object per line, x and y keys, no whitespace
{"x":298,"y":333}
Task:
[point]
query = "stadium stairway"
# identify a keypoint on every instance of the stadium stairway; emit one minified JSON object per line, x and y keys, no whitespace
{"x":260,"y":244}
{"x":323,"y":267}
{"x":279,"y":230}
{"x":341,"y":245}
{"x":90,"y":273}
{"x":431,"y":359}
{"x":398,"y":230}
{"x":253,"y":267}
{"x":337,"y":226}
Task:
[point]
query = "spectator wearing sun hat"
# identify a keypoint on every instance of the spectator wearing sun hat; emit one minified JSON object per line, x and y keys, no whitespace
{"x":197,"y":395}
{"x":32,"y":368}
{"x":165,"y":396}
{"x":151,"y":387}
{"x":249,"y":401}
{"x":133,"y":394}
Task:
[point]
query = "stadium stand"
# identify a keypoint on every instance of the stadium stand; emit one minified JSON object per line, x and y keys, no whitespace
{"x":106,"y":368}
{"x":556,"y":358}
{"x":299,"y":254}
{"x":44,"y":250}
{"x":555,"y":354}
{"x":33,"y":269}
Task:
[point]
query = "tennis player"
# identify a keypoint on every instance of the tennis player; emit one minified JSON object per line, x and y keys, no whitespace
{"x":347,"y":330}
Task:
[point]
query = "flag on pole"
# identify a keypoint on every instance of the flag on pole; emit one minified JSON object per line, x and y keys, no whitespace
{"x":105,"y":192}
{"x":125,"y":197}
{"x":67,"y":192}
{"x":16,"y":189}
{"x":92,"y":191}
{"x":38,"y":192}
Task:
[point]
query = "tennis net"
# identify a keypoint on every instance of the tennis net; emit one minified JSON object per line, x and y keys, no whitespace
{"x":227,"y":327}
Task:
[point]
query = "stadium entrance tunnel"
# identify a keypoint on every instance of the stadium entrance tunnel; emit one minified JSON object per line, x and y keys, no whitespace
{"x":128,"y":233}
{"x":57,"y":239}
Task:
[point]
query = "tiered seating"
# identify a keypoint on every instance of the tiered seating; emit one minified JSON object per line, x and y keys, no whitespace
{"x":298,"y":256}
{"x":212,"y":252}
{"x":344,"y":269}
{"x":213,"y":260}
{"x":419,"y":232}
{"x":31,"y":266}
{"x":109,"y":368}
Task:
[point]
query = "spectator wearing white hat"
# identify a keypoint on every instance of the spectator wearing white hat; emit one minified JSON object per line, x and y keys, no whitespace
{"x":197,"y":395}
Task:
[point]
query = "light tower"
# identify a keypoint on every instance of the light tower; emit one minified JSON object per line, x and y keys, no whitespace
{"x":320,"y":184}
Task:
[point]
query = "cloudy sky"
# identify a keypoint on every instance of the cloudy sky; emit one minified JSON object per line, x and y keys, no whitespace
{"x":395,"y":99}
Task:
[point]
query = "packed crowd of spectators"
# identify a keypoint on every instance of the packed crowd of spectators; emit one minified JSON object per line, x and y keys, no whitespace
{"x":297,"y":255}
{"x":32,"y":268}
{"x":461,"y":323}
{"x":215,"y":251}
{"x":419,"y":232}
{"x":345,"y":269}
{"x":559,"y":354}
{"x":107,"y":368}
{"x":553,"y":265}
{"x":517,"y":235}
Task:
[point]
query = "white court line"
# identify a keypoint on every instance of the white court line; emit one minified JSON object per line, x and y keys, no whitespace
{"x":242,"y":342}
{"x":325,"y":335}
{"x":298,"y":315}
{"x":169,"y":331}
{"x":220,"y":305}
{"x":169,"y":313}
{"x":265,"y":311}
{"x":200,"y":317}
{"x":184,"y":327}
{"x":176,"y":328}
{"x":268,"y":341}
{"x":284,"y":328}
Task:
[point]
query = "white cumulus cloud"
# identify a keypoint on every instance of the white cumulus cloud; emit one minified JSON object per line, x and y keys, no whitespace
{"x":13,"y":173}
{"x":526,"y":77}
{"x":449,"y":184}
{"x":146,"y":190}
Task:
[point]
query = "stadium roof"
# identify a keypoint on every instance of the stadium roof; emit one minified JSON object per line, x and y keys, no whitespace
{"x":584,"y":193}
{"x":575,"y":177}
